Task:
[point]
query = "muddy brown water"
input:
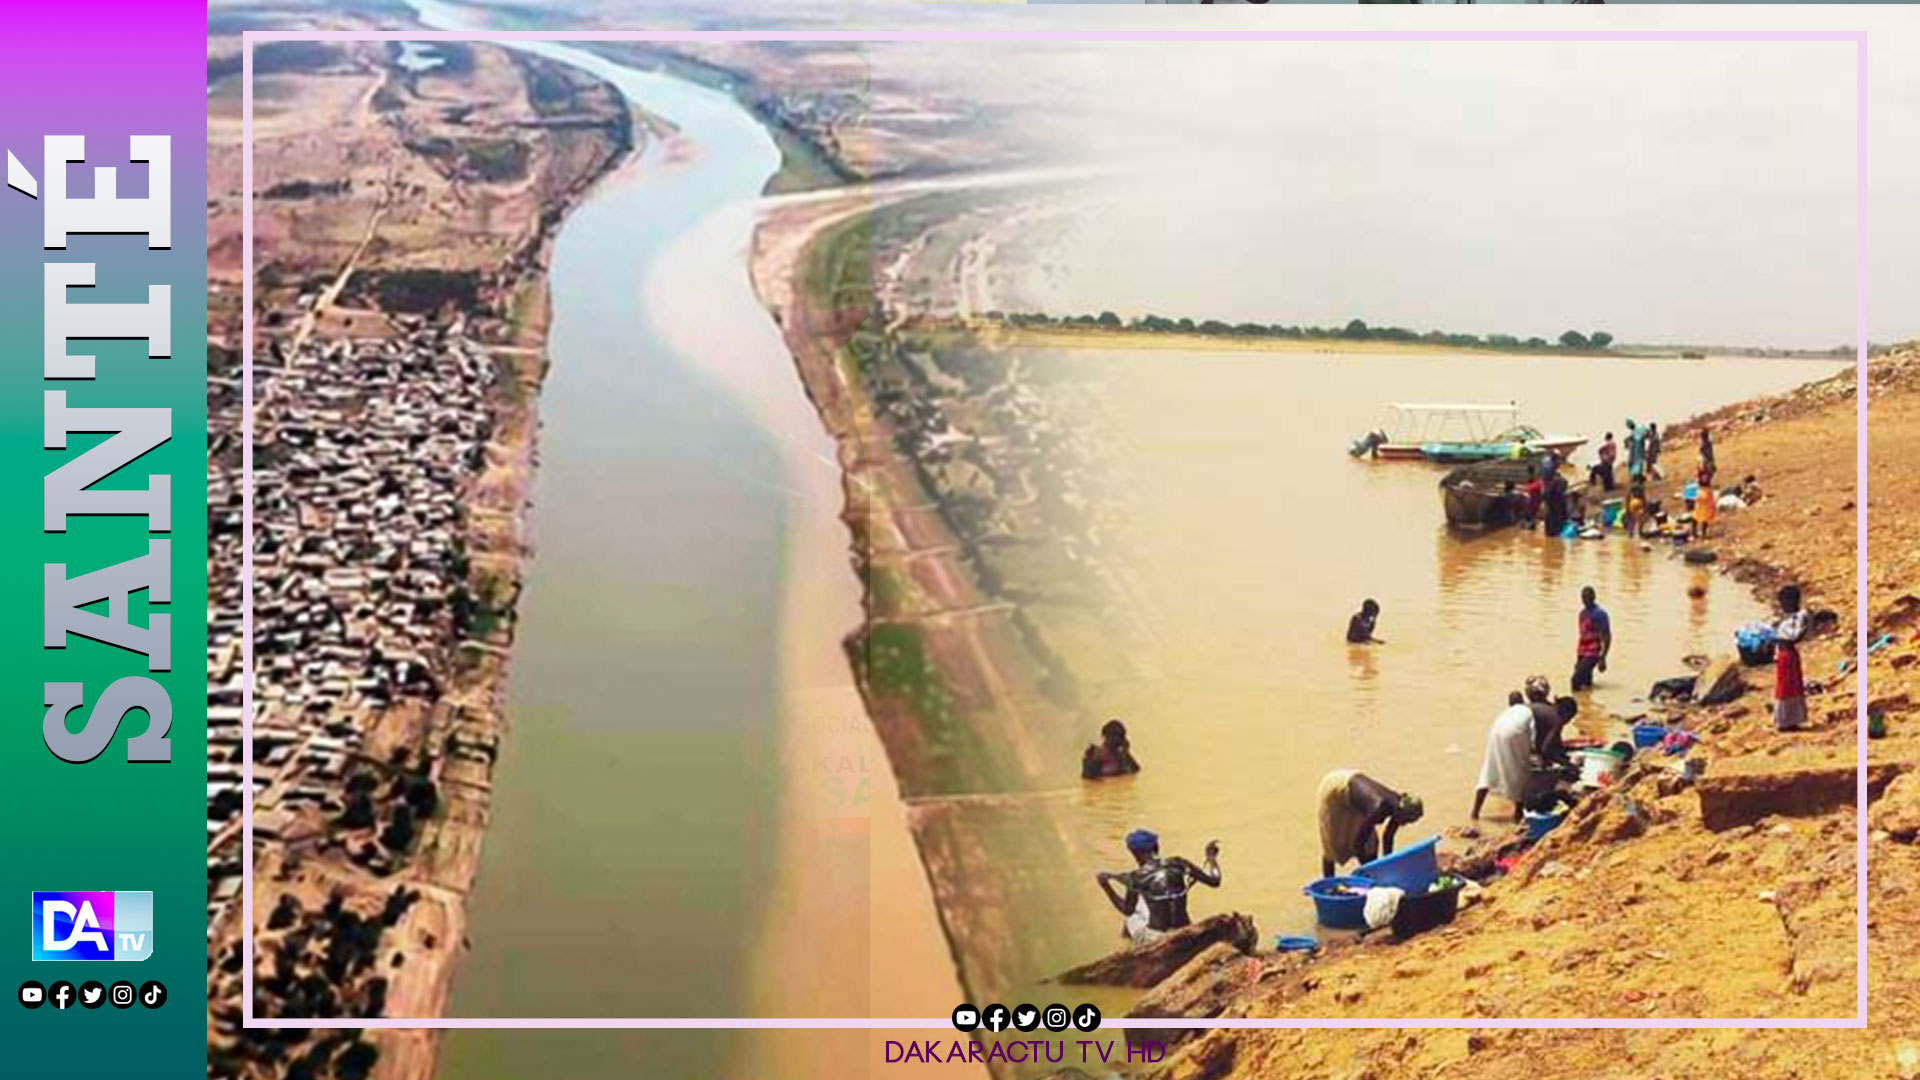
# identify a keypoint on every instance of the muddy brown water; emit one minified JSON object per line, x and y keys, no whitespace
{"x":1251,"y":536}
{"x":692,"y":817}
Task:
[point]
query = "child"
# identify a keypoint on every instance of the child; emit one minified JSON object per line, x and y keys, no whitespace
{"x":1636,"y":509}
{"x":1705,"y":505}
{"x":1789,"y":687}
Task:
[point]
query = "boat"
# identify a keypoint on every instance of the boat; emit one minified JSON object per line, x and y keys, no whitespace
{"x":1481,"y":495}
{"x":1452,"y":433}
{"x":1519,"y":439}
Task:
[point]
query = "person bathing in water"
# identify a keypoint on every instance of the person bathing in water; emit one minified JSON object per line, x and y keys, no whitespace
{"x":1154,"y":901}
{"x":1111,"y":756}
{"x":1352,"y":806}
{"x":1360,"y":627}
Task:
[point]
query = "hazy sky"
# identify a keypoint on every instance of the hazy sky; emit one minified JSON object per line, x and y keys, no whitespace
{"x":1698,"y":191}
{"x":1664,"y":192}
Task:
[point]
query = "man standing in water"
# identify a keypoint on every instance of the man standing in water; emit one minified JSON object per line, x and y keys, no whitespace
{"x":1155,"y":900}
{"x":1636,"y":452}
{"x":1596,"y":640}
{"x":1360,"y":627}
{"x":1352,"y":806}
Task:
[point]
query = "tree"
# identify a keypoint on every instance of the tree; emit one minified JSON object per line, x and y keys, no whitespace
{"x":1573,"y":339}
{"x":1601,"y":339}
{"x":1356,"y":329}
{"x":1109,"y":320}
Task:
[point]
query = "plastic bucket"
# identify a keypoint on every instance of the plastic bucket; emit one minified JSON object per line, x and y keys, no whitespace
{"x":1413,"y":868}
{"x":1596,"y":766}
{"x":1342,"y":911}
{"x":1648,"y":735}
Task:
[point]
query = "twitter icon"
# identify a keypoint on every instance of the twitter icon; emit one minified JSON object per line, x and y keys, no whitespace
{"x":1026,"y":1017}
{"x":92,"y":994}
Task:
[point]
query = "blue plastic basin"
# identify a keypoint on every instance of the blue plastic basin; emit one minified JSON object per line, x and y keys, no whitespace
{"x":1539,"y":825}
{"x":1338,"y":911}
{"x":1411,"y":868}
{"x":1647,"y":735}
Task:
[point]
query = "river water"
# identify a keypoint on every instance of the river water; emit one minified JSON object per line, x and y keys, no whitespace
{"x":1250,"y":537}
{"x":691,"y":816}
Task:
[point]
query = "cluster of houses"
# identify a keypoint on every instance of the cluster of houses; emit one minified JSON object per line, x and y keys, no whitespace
{"x":987,"y":439}
{"x":364,"y":452}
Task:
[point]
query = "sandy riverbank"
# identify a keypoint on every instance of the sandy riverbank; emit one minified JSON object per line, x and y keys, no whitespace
{"x":910,"y":969}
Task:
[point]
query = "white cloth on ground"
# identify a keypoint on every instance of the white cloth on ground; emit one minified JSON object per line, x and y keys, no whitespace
{"x":1383,"y":903}
{"x":1508,"y":766}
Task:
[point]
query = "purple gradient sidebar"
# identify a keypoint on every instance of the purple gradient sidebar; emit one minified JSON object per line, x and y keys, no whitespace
{"x":112,"y":818}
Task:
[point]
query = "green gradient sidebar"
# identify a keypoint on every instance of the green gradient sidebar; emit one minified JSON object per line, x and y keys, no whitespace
{"x":103,"y":472}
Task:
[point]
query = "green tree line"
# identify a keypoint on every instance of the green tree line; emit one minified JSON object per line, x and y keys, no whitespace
{"x":1354,"y":330}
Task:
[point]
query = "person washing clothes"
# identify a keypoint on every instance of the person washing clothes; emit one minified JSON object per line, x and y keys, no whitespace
{"x":1524,"y":747}
{"x":1352,"y":806}
{"x":1507,"y":769}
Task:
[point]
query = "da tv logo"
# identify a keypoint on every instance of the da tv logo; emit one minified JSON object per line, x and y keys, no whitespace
{"x":92,"y":925}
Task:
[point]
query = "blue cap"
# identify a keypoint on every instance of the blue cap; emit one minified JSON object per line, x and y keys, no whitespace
{"x":1142,"y":840}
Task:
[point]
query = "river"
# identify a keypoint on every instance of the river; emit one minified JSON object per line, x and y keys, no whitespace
{"x":691,"y":817}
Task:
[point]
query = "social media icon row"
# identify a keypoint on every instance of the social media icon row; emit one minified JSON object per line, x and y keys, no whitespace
{"x":997,"y":1017}
{"x":92,"y":995}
